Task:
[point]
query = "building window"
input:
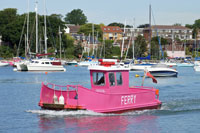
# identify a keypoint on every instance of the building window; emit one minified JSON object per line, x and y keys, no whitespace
{"x":104,"y":28}
{"x":108,"y":28}
{"x":98,"y":78}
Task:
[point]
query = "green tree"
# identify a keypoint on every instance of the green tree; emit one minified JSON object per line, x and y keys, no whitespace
{"x":177,"y":24}
{"x":78,"y":50}
{"x":119,"y":24}
{"x":140,"y":47}
{"x":6,"y":52}
{"x":108,"y":49}
{"x":76,"y":17}
{"x":86,"y":29}
{"x":155,"y":48}
{"x":68,"y":46}
{"x":7,"y":16}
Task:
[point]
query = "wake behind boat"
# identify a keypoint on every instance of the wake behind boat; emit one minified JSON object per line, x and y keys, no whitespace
{"x":109,"y":93}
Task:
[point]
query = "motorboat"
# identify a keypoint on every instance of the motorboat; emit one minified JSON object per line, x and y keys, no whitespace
{"x":109,"y":92}
{"x":87,"y":63}
{"x":45,"y":64}
{"x":185,"y":64}
{"x":73,"y":62}
{"x":197,"y":66}
{"x":21,"y":65}
{"x":162,"y":70}
{"x":4,"y":63}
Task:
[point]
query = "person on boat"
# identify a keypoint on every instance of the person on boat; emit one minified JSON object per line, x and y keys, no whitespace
{"x":101,"y":81}
{"x":112,"y":79}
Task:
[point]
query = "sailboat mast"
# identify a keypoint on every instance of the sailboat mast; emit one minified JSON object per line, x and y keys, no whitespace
{"x":123,"y":40}
{"x":150,"y":29}
{"x":27,"y":44}
{"x":133,"y":39}
{"x":36,"y":32}
{"x":60,"y":41}
{"x":45,"y":27}
{"x":93,"y":39}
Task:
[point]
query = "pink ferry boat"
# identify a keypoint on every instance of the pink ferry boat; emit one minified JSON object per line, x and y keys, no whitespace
{"x":109,"y":93}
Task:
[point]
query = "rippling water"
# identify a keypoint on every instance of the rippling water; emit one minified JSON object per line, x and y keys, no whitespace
{"x":20,"y":91}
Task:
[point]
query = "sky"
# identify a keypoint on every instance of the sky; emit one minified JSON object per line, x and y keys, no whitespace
{"x":165,"y":12}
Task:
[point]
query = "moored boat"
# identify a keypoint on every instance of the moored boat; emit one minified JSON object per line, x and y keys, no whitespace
{"x":197,"y":66}
{"x":109,"y":93}
{"x":3,"y":63}
{"x":74,"y":62}
{"x":45,"y":65}
{"x":162,"y":70}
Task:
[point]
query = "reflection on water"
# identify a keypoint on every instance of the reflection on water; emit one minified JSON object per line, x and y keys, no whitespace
{"x":97,"y":123}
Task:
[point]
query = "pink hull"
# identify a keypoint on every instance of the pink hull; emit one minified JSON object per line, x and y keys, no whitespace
{"x":135,"y":98}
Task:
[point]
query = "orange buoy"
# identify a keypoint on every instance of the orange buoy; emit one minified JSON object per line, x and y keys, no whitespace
{"x":46,"y":73}
{"x":76,"y":65}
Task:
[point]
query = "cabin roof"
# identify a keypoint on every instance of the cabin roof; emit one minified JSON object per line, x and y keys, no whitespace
{"x":110,"y":68}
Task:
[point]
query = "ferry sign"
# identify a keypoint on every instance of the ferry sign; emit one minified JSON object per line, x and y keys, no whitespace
{"x":128,"y":99}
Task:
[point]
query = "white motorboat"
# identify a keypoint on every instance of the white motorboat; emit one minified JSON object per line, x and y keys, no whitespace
{"x":162,"y":70}
{"x":2,"y":63}
{"x":74,"y":62}
{"x":87,"y":63}
{"x":139,"y":67}
{"x":45,"y":65}
{"x":197,"y":66}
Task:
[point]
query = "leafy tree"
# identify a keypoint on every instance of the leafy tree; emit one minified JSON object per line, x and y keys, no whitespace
{"x":116,"y":51}
{"x":140,"y":46}
{"x":119,"y":24}
{"x":155,"y":48}
{"x":177,"y":24}
{"x":143,"y":26}
{"x":76,"y":17}
{"x":6,"y":51}
{"x":189,"y":26}
{"x":68,"y":46}
{"x":7,"y":16}
{"x":78,"y":50}
{"x":86,"y":29}
{"x":108,"y":48}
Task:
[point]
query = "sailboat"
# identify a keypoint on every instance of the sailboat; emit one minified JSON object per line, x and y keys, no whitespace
{"x":44,"y":64}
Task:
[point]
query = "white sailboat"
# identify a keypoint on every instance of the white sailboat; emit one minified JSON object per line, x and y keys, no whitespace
{"x":44,"y":64}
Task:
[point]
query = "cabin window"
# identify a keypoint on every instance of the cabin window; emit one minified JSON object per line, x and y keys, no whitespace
{"x":112,"y":79}
{"x":119,"y":78}
{"x":36,"y":62}
{"x":42,"y":62}
{"x":98,"y":78}
{"x":46,"y":62}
